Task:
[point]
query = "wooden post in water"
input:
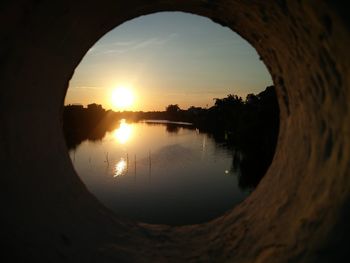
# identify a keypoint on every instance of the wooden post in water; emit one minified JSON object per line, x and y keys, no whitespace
{"x":127,"y":163}
{"x":135,"y":166}
{"x":150,"y":166}
{"x":107,"y":161}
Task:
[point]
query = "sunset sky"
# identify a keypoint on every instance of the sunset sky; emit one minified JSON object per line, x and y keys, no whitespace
{"x":167,"y":58}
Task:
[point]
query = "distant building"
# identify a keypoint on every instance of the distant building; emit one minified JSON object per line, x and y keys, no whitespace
{"x":94,"y":106}
{"x":74,"y":106}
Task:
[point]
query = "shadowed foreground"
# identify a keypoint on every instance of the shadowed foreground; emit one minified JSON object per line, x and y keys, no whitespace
{"x":298,"y":213}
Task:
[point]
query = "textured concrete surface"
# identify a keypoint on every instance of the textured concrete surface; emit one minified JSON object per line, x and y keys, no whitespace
{"x":299,"y":212}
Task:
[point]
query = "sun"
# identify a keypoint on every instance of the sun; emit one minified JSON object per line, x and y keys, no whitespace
{"x":122,"y":98}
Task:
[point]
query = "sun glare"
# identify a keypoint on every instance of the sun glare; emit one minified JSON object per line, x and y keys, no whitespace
{"x":123,"y":133}
{"x":120,"y":168}
{"x":122,"y":98}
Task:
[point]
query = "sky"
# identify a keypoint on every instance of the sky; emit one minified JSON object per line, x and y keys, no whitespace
{"x":168,"y":58}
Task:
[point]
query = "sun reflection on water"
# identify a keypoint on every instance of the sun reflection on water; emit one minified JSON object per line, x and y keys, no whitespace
{"x":123,"y":133}
{"x":120,"y":168}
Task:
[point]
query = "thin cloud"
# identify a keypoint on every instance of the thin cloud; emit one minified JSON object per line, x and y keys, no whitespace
{"x":155,"y":41}
{"x":123,"y":47}
{"x":124,"y":43}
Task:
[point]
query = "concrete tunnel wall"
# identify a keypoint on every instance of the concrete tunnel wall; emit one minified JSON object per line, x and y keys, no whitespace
{"x":299,"y":211}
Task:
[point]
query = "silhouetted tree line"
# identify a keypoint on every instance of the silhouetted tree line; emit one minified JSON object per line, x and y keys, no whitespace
{"x":92,"y":123}
{"x":89,"y":123}
{"x":247,"y":127}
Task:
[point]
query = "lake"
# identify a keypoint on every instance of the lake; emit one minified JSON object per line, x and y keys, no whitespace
{"x":160,"y":172}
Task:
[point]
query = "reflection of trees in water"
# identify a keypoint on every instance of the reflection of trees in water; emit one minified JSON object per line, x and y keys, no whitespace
{"x":172,"y":128}
{"x":250,"y":168}
{"x":248,"y":129}
{"x":74,"y":138}
{"x":250,"y":164}
{"x":82,"y":124}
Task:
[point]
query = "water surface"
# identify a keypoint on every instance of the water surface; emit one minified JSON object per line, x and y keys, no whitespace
{"x":164,"y":173}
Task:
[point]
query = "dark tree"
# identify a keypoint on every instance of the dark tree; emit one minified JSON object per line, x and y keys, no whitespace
{"x":172,"y":108}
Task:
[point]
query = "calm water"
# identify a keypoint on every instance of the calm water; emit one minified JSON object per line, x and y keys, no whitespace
{"x":159,"y":173}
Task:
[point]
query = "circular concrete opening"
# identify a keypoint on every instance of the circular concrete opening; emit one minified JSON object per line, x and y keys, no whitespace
{"x":149,"y":171}
{"x":300,"y":209}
